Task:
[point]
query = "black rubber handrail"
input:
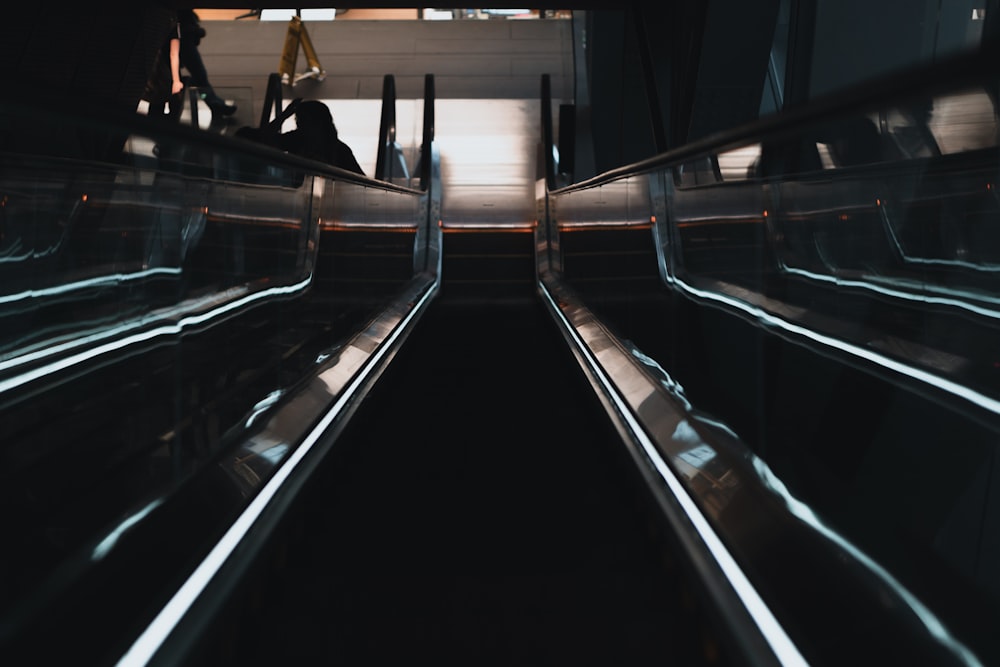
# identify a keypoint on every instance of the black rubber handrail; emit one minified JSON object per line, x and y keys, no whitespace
{"x":273,"y":104}
{"x":427,"y":139}
{"x":968,"y":68}
{"x":547,"y":138}
{"x":387,"y":128}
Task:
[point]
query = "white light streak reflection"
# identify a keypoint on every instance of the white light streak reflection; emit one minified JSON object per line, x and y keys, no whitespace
{"x":105,"y":546}
{"x":268,"y":448}
{"x":772,"y":631}
{"x":152,"y":638}
{"x":108,"y":280}
{"x":770,"y":628}
{"x":769,"y":319}
{"x":263,"y":406}
{"x":806,"y":515}
{"x":119,"y":343}
{"x":948,"y":297}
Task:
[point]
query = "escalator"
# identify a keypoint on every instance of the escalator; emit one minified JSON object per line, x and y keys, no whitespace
{"x":665,"y":421}
{"x":827,"y":297}
{"x":474,"y":511}
{"x":472,"y":485}
{"x":157,"y":306}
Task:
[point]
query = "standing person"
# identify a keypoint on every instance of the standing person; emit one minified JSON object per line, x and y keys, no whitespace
{"x":192,"y":32}
{"x":315,"y":136}
{"x":164,"y":86}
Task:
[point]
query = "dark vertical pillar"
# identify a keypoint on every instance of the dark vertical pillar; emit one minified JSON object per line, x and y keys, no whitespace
{"x":991,"y":22}
{"x":674,"y":33}
{"x":619,"y":116}
{"x":567,"y":139}
{"x":583,"y":141}
{"x":798,"y":62}
{"x":605,"y":62}
{"x":733,"y":64}
{"x":643,"y":20}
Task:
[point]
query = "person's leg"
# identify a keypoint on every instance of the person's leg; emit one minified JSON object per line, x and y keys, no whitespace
{"x":176,"y":103}
{"x":192,"y":62}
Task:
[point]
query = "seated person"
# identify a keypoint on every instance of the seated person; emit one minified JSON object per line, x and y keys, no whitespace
{"x":315,"y":137}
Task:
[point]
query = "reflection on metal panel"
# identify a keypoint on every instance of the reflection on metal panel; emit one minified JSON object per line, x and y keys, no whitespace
{"x":623,"y":203}
{"x":161,"y":314}
{"x":832,"y":309}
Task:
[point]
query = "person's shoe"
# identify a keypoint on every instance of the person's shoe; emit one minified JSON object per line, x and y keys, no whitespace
{"x":226,"y":108}
{"x":219,"y":105}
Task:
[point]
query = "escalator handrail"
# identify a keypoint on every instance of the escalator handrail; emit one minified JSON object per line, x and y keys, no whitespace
{"x":548,"y":141}
{"x":387,"y":126}
{"x":427,"y":136}
{"x":94,"y":114}
{"x":967,"y":68}
{"x":273,"y":102}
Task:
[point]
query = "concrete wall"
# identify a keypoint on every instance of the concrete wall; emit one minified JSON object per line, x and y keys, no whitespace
{"x":469,"y":59}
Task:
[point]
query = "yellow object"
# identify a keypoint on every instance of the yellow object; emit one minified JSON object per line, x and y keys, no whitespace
{"x":296,"y":37}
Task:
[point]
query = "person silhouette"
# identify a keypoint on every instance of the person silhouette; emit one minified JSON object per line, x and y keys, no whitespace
{"x":192,"y":32}
{"x":315,"y":136}
{"x":164,"y":85}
